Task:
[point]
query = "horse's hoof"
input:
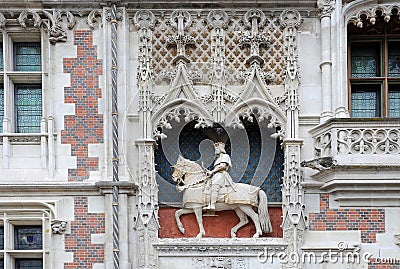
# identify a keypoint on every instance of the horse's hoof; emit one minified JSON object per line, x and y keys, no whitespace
{"x":200,"y":235}
{"x":182,"y":230}
{"x":256,"y":235}
{"x":233,"y":235}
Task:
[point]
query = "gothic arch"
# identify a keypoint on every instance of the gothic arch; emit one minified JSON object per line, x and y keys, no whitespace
{"x":262,"y":110}
{"x":172,"y":111}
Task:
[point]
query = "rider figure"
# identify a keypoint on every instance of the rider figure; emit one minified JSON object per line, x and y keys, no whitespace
{"x":219,"y":176}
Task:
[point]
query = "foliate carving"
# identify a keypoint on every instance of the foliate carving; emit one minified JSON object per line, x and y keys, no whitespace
{"x":253,"y":18}
{"x":371,"y":13}
{"x":290,"y":18}
{"x":118,"y":16}
{"x":217,"y":19}
{"x":261,"y":114}
{"x":265,"y":76}
{"x":52,"y":25}
{"x":219,"y":262}
{"x":58,"y":226}
{"x":175,"y":114}
{"x":326,"y":7}
{"x":92,"y":18}
{"x":368,"y":141}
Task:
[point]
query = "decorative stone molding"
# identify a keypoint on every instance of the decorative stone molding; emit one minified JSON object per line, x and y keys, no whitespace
{"x":2,"y":21}
{"x":325,"y":7}
{"x":58,"y":226}
{"x":371,"y":13}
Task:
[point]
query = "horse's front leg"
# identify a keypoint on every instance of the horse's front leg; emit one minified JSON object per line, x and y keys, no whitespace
{"x":198,"y":211}
{"x":178,"y":215}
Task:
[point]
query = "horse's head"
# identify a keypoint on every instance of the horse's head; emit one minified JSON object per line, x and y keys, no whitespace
{"x":179,"y":172}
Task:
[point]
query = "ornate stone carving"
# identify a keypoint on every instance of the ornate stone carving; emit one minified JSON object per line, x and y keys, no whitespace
{"x":175,"y":114}
{"x":326,"y":7}
{"x":323,"y":145}
{"x":58,"y":226}
{"x":181,"y":19}
{"x":53,"y":26}
{"x":218,"y":20}
{"x":371,"y":13}
{"x":253,"y":18}
{"x":92,"y":18}
{"x":144,"y":21}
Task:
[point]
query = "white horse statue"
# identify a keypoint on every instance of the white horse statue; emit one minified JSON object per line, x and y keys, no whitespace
{"x":192,"y":180}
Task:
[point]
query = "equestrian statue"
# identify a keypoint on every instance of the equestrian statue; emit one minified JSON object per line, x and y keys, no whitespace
{"x":215,"y":191}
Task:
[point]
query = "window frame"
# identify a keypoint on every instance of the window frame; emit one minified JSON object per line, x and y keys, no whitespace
{"x":383,"y":79}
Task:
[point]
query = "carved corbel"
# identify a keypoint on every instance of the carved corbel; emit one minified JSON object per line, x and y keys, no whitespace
{"x":58,"y":226}
{"x":56,"y":31}
{"x":2,"y":21}
{"x":29,"y":16}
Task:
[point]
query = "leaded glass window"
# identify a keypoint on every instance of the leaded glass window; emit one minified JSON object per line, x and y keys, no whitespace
{"x":364,"y":104}
{"x":374,"y":69}
{"x":394,"y":103}
{"x":27,"y":56}
{"x":28,"y":263}
{"x":1,"y":237}
{"x":28,"y":107}
{"x":394,"y":59}
{"x":28,"y":237}
{"x":364,"y":60}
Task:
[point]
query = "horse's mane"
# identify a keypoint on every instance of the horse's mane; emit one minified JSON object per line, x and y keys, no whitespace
{"x":192,"y":162}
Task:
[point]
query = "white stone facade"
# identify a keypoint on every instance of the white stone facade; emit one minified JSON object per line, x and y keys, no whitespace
{"x":281,"y":64}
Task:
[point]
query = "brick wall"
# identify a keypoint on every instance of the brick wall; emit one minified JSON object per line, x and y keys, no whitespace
{"x":86,"y":126}
{"x":79,"y":241}
{"x":368,"y":221}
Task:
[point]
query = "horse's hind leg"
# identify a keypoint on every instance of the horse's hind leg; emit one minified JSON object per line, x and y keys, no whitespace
{"x":248,"y":210}
{"x":243,"y":221}
{"x":178,"y":214}
{"x":198,"y":211}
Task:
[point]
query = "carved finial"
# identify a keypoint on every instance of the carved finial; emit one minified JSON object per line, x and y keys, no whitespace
{"x":290,"y":18}
{"x":217,"y":19}
{"x":58,"y":226}
{"x":252,"y":19}
{"x":181,"y":19}
{"x":326,"y":7}
{"x":144,"y":19}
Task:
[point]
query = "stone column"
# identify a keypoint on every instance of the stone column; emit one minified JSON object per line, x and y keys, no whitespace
{"x":326,"y":7}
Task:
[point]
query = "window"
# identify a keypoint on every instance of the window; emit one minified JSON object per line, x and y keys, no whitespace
{"x":22,"y":242}
{"x":374,"y":69}
{"x":21,"y":83}
{"x":28,"y":108}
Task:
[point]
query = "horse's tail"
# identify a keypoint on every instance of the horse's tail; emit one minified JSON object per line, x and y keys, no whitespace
{"x":263,"y":215}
